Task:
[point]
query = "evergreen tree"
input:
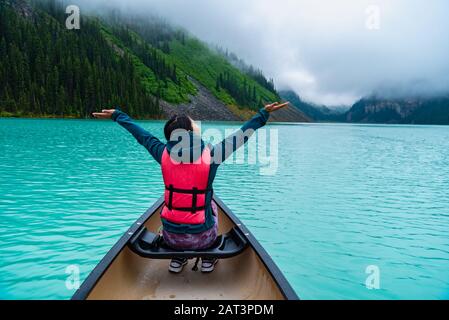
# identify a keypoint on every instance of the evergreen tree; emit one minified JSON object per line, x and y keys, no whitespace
{"x":242,"y":93}
{"x":47,"y":70}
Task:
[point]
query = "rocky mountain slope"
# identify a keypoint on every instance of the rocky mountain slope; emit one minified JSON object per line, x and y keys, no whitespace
{"x":433,"y":110}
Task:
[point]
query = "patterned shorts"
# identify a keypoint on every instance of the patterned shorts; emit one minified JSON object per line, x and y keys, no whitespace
{"x":200,"y":240}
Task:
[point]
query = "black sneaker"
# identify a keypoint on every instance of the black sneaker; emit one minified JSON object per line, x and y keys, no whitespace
{"x":207,"y":265}
{"x":177,"y":264}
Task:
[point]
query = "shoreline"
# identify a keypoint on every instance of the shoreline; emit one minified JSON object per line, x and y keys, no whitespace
{"x":49,"y":117}
{"x":7,"y":116}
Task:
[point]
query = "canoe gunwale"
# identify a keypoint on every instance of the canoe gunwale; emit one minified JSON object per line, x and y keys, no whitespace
{"x":284,"y":286}
{"x":92,"y":279}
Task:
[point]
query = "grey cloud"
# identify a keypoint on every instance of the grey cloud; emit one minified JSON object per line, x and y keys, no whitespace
{"x":323,"y":49}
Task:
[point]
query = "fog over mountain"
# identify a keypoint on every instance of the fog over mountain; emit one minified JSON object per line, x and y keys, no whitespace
{"x":330,"y":52}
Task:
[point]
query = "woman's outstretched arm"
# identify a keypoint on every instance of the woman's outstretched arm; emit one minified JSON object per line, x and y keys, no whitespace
{"x":154,"y":146}
{"x":225,"y":148}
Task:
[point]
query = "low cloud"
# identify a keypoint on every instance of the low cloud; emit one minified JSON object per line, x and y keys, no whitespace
{"x":330,"y":52}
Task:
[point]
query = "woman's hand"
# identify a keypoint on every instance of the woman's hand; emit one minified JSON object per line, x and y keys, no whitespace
{"x":104,"y":114}
{"x":275,"y":106}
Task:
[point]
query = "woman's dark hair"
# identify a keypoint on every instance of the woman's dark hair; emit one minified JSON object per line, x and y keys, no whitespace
{"x":177,"y":122}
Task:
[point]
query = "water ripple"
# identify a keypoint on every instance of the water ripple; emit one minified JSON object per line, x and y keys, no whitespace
{"x":344,"y":197}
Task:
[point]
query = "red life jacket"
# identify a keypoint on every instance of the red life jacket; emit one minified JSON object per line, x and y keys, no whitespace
{"x":185,"y":189}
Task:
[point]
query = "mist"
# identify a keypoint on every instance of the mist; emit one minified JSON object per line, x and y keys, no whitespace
{"x":329,"y":52}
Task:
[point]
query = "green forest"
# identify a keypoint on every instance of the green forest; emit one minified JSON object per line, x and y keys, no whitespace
{"x":47,"y":70}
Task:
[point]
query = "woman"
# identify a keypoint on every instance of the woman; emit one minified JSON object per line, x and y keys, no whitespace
{"x":189,"y":215}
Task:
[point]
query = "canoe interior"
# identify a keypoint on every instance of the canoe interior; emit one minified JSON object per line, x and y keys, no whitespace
{"x":131,"y":277}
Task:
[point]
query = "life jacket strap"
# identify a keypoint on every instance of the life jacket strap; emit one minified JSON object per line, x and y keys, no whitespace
{"x":194,"y":192}
{"x":188,"y":191}
{"x":170,"y":196}
{"x":194,"y":196}
{"x":188,"y":209}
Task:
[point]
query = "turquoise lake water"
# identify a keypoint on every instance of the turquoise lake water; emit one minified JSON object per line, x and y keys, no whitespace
{"x":344,"y":197}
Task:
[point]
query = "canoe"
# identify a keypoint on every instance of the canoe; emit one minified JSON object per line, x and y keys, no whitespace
{"x":125,"y":273}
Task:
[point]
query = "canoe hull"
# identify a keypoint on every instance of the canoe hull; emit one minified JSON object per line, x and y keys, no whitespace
{"x":122,"y":274}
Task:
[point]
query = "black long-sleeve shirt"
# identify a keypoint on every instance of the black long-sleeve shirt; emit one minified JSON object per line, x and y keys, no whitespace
{"x":219,"y":153}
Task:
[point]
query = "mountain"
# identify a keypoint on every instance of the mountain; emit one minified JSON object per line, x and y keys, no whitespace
{"x":47,"y":70}
{"x":148,"y":67}
{"x":312,"y":111}
{"x":374,"y":109}
{"x":152,"y":70}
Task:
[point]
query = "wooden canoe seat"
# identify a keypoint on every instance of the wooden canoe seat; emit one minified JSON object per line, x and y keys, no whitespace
{"x":150,"y":245}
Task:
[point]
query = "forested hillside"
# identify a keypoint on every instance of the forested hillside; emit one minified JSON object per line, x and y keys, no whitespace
{"x":113,"y":59}
{"x":46,"y":69}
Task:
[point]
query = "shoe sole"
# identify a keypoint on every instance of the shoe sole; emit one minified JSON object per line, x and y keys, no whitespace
{"x":176,"y":270}
{"x":209,"y":269}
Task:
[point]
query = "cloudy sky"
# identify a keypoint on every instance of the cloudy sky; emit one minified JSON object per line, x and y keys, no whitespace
{"x":330,"y":52}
